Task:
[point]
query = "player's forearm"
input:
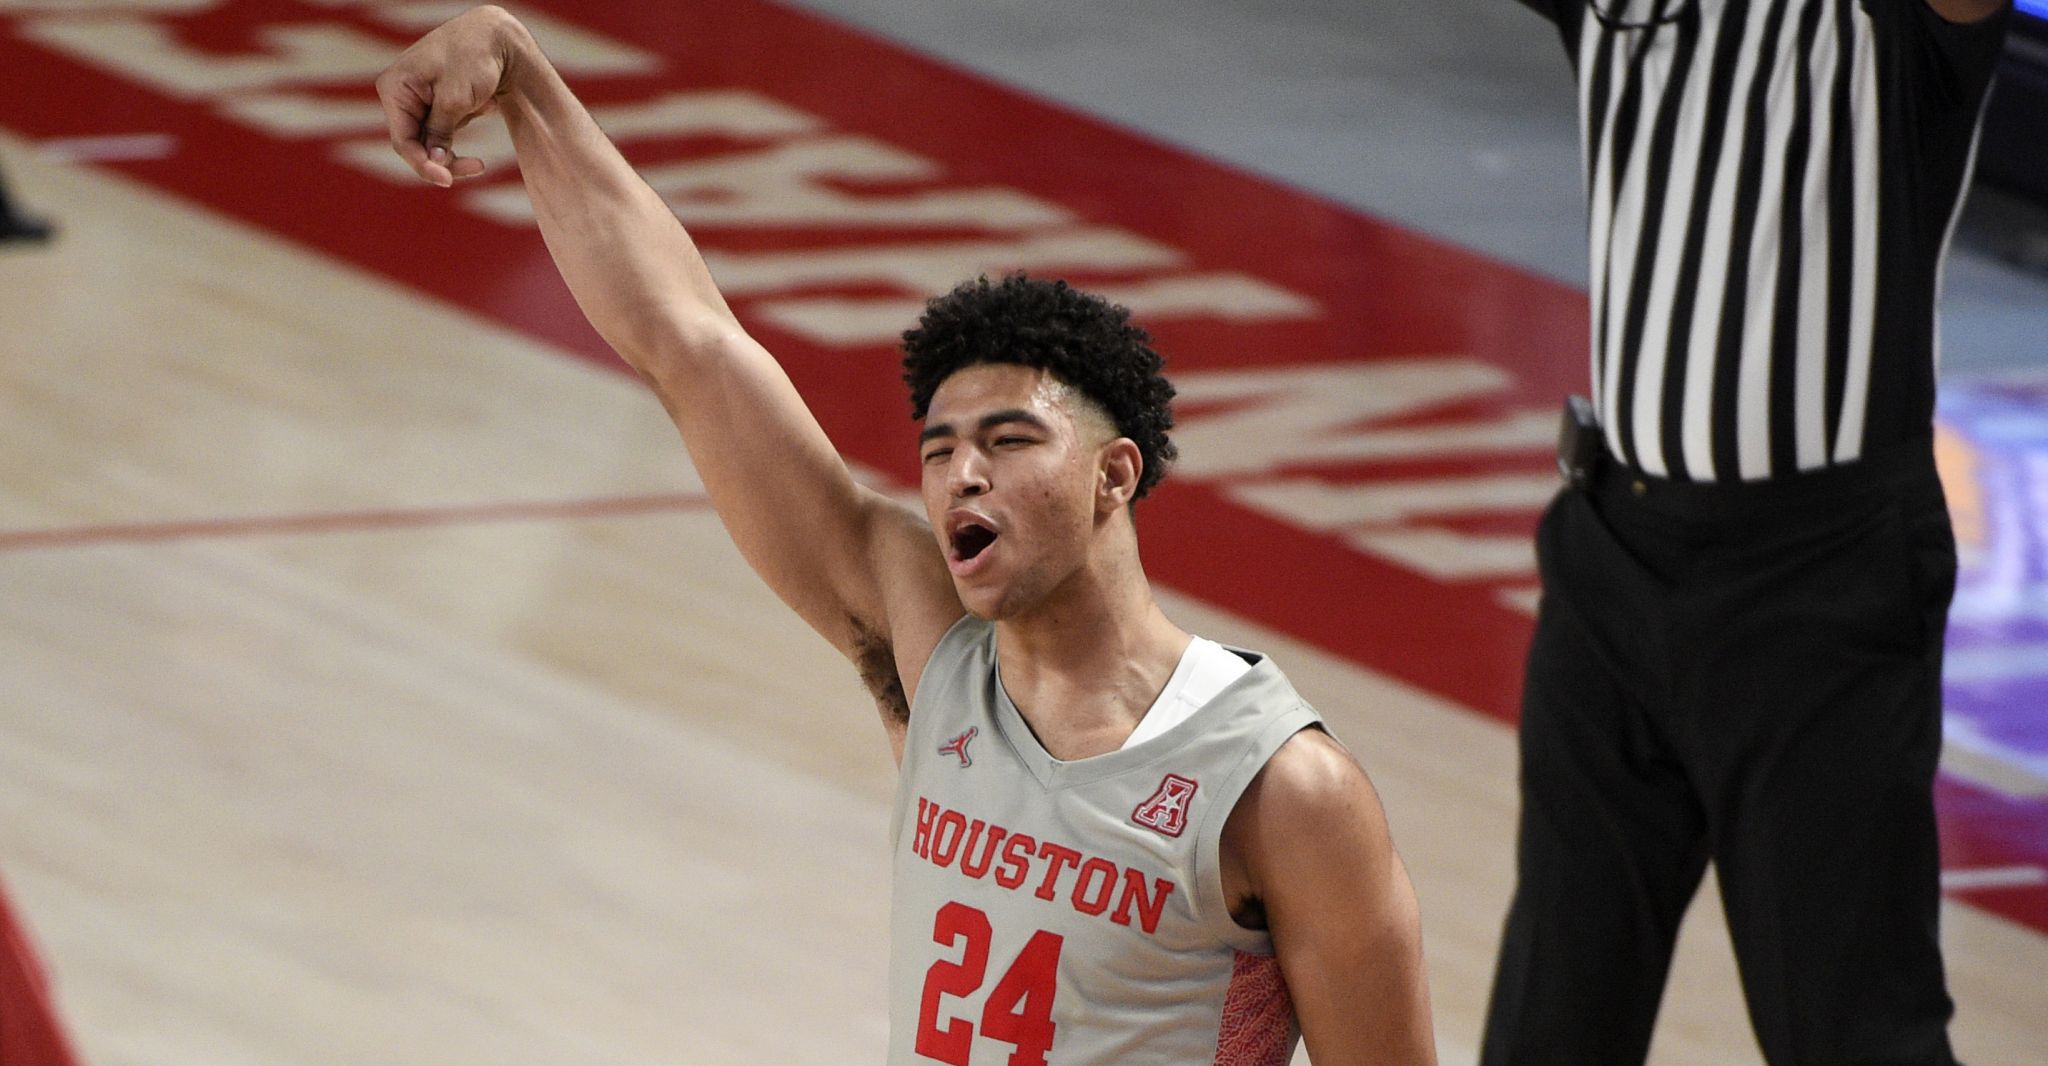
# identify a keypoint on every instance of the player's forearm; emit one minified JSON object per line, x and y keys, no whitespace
{"x":636,"y":274}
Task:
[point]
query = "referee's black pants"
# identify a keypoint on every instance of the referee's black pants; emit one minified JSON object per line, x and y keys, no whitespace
{"x":1747,"y":674}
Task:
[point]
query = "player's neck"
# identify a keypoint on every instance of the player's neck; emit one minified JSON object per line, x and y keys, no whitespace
{"x":1084,"y":667}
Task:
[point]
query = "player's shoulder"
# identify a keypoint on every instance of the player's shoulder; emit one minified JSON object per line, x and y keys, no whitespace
{"x":1314,"y":763}
{"x":1314,"y":784}
{"x":1310,"y":817}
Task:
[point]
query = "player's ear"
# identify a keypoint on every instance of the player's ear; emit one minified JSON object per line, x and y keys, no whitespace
{"x":1116,"y":474}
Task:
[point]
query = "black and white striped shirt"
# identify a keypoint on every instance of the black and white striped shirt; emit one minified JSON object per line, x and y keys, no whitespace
{"x":1771,"y":187}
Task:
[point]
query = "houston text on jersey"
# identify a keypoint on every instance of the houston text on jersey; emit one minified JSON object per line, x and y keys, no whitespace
{"x":947,"y":838}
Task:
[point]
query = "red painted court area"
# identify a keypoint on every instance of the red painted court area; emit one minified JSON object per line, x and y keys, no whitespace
{"x":1367,"y":413}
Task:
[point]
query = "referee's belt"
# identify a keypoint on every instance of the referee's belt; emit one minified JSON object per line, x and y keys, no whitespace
{"x":1586,"y":464}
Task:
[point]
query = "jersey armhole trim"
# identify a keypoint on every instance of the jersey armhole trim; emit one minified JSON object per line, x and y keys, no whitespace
{"x":1206,"y":896}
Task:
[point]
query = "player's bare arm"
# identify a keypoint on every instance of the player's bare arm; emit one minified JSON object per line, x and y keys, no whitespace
{"x":864,"y":571}
{"x":1307,"y":852}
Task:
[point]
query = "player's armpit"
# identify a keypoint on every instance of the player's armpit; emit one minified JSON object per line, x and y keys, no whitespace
{"x":1315,"y":851}
{"x":917,"y":606}
{"x":916,"y":590}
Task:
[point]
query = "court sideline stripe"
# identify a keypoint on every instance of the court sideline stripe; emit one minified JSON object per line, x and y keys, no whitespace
{"x":350,"y":521}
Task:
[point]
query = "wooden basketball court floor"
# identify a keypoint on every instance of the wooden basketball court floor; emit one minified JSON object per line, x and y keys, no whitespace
{"x":374,"y":686}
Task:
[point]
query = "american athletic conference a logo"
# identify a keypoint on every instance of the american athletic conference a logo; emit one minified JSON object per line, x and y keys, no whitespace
{"x":1167,"y":811}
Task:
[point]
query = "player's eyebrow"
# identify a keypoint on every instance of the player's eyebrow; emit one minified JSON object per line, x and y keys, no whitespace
{"x":987,"y":422}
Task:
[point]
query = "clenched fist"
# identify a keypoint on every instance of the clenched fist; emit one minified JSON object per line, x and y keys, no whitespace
{"x":444,"y":80}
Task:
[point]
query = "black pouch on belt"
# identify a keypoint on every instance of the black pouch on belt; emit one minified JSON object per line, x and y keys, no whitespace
{"x":1579,"y":444}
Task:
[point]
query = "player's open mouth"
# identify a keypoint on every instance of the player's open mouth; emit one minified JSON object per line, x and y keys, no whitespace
{"x":971,"y":539}
{"x":969,"y":536}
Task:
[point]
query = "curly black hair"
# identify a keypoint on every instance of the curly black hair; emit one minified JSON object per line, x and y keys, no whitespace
{"x":1084,"y":340}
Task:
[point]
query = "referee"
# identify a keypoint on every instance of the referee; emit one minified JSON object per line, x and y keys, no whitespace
{"x":1746,"y":581}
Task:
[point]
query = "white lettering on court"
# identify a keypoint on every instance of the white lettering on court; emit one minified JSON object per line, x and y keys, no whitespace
{"x":798,"y":174}
{"x":1226,"y":296}
{"x":1258,"y":432}
{"x":146,"y":51}
{"x":1264,"y":422}
{"x":938,"y":266}
{"x":1287,"y":416}
{"x":784,"y":185}
{"x":105,"y":7}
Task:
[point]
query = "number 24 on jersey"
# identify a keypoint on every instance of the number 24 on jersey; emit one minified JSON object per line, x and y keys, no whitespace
{"x":1019,"y":1008}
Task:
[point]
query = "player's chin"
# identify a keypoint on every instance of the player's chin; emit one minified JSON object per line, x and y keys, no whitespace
{"x":986,"y":600}
{"x":981,"y":605}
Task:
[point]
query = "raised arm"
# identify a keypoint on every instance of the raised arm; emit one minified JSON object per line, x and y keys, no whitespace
{"x":864,"y":572}
{"x":1309,"y":841}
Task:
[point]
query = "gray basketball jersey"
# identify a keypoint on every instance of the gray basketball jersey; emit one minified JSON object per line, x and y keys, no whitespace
{"x":1072,"y":913}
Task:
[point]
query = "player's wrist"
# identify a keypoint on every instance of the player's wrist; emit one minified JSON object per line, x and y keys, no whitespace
{"x":518,"y":54}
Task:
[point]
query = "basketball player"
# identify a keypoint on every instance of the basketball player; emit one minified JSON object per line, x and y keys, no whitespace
{"x":1113,"y":843}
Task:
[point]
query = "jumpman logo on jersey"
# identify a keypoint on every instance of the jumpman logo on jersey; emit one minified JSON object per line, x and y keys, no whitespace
{"x":958,"y":746}
{"x":1167,"y":810}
